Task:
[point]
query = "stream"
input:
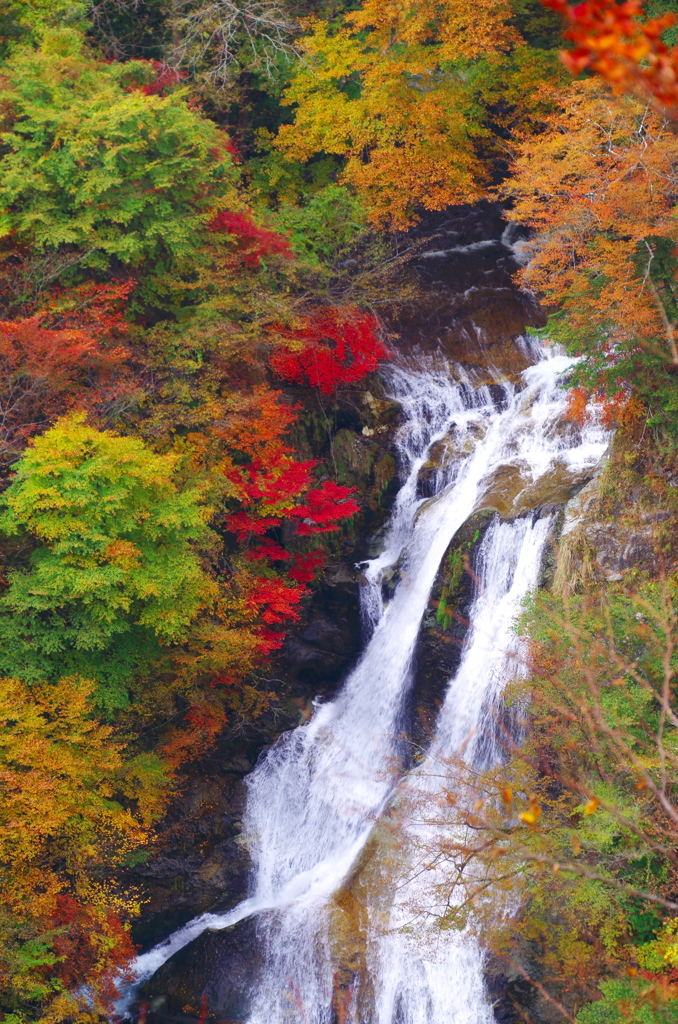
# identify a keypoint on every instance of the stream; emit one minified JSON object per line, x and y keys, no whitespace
{"x":316,"y":797}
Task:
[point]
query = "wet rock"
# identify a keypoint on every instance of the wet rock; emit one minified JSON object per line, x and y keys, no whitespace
{"x":444,"y":627}
{"x":391,"y":579}
{"x":511,"y":995}
{"x":363,"y":460}
{"x":467,"y":303}
{"x":198,"y":864}
{"x":549,"y":558}
{"x":580,"y":506}
{"x":511,"y":492}
{"x":344,"y":576}
{"x":214,"y":973}
{"x":441,"y":457}
{"x":353,"y":454}
{"x":323,"y":650}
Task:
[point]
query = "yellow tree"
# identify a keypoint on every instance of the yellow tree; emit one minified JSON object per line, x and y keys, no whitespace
{"x":390,"y":91}
{"x":73,"y":809}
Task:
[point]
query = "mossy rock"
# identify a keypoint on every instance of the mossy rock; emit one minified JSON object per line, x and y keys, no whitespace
{"x":512,"y":493}
{"x":453,"y":581}
{"x":441,"y":455}
{"x":353,"y":457}
{"x":441,"y":640}
{"x":361,"y":462}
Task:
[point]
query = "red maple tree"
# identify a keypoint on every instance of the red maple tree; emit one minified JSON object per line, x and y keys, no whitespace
{"x":333,"y":346}
{"x":252,"y":241}
{"x":611,"y":39}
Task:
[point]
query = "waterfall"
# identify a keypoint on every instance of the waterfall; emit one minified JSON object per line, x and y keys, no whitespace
{"x":315,"y":796}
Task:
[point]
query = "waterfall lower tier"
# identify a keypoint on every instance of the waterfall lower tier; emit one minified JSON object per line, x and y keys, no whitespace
{"x":415,"y":982}
{"x":315,"y":798}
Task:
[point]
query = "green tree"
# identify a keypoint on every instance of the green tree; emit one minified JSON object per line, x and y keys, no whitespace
{"x":626,"y":1002}
{"x":114,"y":576}
{"x":98,"y":171}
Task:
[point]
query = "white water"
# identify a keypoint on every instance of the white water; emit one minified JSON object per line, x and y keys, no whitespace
{"x":447,"y":987}
{"x":314,"y":798}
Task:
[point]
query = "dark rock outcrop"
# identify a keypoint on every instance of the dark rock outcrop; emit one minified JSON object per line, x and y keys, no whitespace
{"x":515,"y":997}
{"x":444,"y":627}
{"x":319,"y":654}
{"x":214,"y":974}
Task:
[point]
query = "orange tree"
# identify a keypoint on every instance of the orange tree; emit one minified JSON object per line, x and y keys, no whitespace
{"x":598,"y":187}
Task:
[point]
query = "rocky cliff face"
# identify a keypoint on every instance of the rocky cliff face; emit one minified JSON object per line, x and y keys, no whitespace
{"x":619,"y":525}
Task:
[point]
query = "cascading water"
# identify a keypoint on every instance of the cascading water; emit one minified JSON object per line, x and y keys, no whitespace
{"x":447,"y":987}
{"x":314,"y":798}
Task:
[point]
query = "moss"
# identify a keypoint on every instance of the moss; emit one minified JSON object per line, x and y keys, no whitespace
{"x":384,"y":472}
{"x":353,"y":457}
{"x":451,"y":583}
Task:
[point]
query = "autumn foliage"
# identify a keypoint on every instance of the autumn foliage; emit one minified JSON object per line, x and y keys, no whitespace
{"x":598,"y":187}
{"x":273,"y":487}
{"x":252,"y":242}
{"x":381,"y":90}
{"x":62,"y":781}
{"x":611,"y":39}
{"x":333,"y":347}
{"x":43,"y":374}
{"x":175,"y":369}
{"x":161,"y":532}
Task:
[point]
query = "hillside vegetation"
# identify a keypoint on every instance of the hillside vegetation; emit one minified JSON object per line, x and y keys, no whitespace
{"x":203,"y":209}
